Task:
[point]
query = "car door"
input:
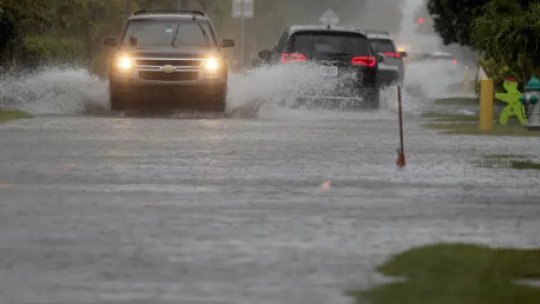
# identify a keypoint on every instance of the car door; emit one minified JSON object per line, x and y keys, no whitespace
{"x":275,"y":54}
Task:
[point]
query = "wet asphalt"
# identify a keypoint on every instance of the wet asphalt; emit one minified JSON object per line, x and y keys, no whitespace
{"x":156,"y":210}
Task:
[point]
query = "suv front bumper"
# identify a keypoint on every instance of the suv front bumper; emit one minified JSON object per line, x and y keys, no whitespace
{"x":157,"y":94}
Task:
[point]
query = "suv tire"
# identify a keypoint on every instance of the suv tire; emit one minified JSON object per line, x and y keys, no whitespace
{"x":118,"y":104}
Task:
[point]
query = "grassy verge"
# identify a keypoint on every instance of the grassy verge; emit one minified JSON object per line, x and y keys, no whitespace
{"x":11,"y":115}
{"x":513,"y":161}
{"x":457,"y":273}
{"x":458,"y":86}
{"x":465,"y":101}
{"x":472,"y":129}
{"x":433,"y":116}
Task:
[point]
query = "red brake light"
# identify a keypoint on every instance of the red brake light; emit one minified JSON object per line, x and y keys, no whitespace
{"x":396,"y":55}
{"x":454,"y":61}
{"x":364,"y":60}
{"x":287,"y":58}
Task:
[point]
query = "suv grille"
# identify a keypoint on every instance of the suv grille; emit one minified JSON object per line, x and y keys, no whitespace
{"x":160,"y":76}
{"x":173,"y":62}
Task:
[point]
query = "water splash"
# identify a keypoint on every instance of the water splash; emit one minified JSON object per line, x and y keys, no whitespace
{"x":55,"y":91}
{"x":258,"y":93}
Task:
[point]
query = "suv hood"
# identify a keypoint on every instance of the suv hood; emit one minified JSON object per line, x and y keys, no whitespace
{"x":168,"y":52}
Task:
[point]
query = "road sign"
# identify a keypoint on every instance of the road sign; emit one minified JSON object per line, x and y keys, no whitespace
{"x":242,"y":5}
{"x":329,"y":17}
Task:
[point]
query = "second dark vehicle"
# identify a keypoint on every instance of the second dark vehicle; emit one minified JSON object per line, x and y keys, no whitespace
{"x":342,"y":55}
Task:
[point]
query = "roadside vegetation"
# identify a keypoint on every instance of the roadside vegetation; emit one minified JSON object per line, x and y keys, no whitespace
{"x":71,"y":31}
{"x":463,"y":128}
{"x":461,"y":101}
{"x":458,"y":273}
{"x":11,"y":115}
{"x":448,"y":117}
{"x":465,"y":101}
{"x":510,"y":161}
{"x":505,"y":34}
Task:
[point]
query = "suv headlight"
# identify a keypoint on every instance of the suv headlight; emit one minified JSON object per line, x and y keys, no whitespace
{"x":124,"y":63}
{"x":213,"y":68}
{"x":123,"y":66}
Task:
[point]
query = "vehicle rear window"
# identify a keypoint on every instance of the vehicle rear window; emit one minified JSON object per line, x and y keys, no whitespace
{"x":328,"y":42}
{"x":383,"y":45}
{"x":147,"y":32}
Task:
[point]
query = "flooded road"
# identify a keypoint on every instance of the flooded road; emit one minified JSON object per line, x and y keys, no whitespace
{"x":286,"y":206}
{"x":126,"y":210}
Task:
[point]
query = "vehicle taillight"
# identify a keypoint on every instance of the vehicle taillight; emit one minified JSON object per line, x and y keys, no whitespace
{"x":288,"y":58}
{"x":364,"y":60}
{"x":454,"y":61}
{"x":395,"y":55}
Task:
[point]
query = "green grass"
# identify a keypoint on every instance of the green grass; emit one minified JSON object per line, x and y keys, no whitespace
{"x":504,"y":156}
{"x":513,"y":161}
{"x":473,"y":129}
{"x":465,"y":101}
{"x":11,"y":115}
{"x":458,"y":86}
{"x":449,"y":117}
{"x":457,"y":274}
{"x":525,"y":165}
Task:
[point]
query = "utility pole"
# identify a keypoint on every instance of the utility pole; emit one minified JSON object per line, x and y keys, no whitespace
{"x":242,"y":36}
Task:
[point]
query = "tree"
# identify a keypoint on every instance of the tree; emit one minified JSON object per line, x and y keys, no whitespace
{"x":453,"y":19}
{"x":510,"y":34}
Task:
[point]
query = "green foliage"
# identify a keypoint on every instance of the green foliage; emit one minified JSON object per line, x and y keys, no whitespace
{"x":52,"y":50}
{"x":89,"y":21}
{"x":510,"y":34}
{"x":452,"y":18}
{"x":12,"y":115}
{"x":457,"y":273}
{"x":497,"y":71}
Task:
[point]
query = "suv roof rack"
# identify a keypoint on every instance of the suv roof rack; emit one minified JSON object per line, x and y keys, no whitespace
{"x":170,"y":11}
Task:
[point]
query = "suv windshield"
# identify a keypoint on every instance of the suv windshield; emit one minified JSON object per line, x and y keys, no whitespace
{"x":168,"y":32}
{"x":328,"y":42}
{"x":382,"y":45}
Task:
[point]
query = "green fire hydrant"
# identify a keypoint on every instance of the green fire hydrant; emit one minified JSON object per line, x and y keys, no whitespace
{"x":512,"y":98}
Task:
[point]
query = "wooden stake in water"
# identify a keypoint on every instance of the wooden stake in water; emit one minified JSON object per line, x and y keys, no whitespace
{"x":401,"y":153}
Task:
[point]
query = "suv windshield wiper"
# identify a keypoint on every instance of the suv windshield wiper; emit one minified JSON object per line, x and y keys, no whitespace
{"x":173,"y":42}
{"x":204,"y":33}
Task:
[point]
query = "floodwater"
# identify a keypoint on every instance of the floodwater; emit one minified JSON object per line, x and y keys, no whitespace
{"x":286,"y":206}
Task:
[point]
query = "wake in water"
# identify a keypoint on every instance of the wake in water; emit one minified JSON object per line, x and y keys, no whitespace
{"x":55,"y":91}
{"x":261,"y":92}
{"x":258,"y":93}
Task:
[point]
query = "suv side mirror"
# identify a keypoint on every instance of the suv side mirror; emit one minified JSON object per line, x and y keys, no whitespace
{"x":379,"y":57}
{"x":227,"y":43}
{"x":403,"y":54}
{"x":264,"y":54}
{"x":110,"y":41}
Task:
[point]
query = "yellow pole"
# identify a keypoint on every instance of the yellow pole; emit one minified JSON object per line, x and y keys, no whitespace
{"x":486,"y":105}
{"x":466,"y":81}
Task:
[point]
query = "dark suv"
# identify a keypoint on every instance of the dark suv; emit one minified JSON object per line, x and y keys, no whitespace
{"x":341,"y":55}
{"x":168,"y":59}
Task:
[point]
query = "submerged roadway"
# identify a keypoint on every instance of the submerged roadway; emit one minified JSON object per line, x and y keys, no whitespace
{"x":146,"y":210}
